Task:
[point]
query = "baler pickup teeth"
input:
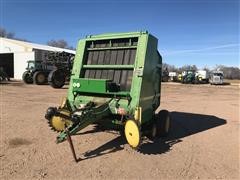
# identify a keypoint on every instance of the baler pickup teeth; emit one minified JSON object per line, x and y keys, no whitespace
{"x":58,"y":119}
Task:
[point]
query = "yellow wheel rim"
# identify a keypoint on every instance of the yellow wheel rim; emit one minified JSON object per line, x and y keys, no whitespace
{"x":59,"y":123}
{"x":132,"y":133}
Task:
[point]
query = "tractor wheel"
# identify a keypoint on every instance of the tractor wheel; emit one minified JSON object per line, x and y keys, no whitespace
{"x":39,"y":78}
{"x":163,"y":121}
{"x":184,"y":81}
{"x":56,"y":79}
{"x":27,"y":77}
{"x":132,"y":133}
{"x":196,"y":81}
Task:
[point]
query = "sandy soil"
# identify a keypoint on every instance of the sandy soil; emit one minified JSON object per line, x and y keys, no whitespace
{"x":203,"y":143}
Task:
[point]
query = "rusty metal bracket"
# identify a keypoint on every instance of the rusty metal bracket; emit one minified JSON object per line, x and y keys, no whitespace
{"x":69,"y":139}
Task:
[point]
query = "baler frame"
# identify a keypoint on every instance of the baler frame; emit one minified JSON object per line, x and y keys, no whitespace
{"x":116,"y":80}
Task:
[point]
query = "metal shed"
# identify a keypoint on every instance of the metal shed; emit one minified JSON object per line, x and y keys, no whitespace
{"x":14,"y":55}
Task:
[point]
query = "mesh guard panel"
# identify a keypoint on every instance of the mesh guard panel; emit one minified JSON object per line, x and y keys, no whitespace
{"x":111,"y":52}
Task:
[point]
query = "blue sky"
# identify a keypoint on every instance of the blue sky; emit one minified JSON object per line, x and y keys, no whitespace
{"x":201,"y":32}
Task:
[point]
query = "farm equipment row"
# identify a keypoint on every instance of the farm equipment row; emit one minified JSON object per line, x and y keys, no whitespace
{"x":116,"y":83}
{"x":55,"y":70}
{"x":191,"y":77}
{"x":194,"y":77}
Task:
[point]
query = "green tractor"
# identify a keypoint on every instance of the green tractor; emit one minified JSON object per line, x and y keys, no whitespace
{"x":188,"y":77}
{"x":36,"y":72}
{"x":54,"y":70}
{"x":116,"y":83}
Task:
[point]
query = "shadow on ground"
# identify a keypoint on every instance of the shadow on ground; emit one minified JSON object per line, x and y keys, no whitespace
{"x":110,"y":147}
{"x":183,"y":125}
{"x":224,"y":84}
{"x":14,"y":82}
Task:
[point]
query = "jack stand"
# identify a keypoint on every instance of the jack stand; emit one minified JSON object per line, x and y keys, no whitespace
{"x":71,"y":146}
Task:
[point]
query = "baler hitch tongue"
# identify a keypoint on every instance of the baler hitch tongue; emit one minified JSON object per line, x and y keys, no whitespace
{"x":87,"y":117}
{"x":82,"y":118}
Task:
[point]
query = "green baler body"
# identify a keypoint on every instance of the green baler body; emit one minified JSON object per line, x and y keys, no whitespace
{"x":130,"y":60}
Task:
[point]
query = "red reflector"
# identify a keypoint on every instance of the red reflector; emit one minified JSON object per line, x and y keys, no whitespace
{"x":121,"y":111}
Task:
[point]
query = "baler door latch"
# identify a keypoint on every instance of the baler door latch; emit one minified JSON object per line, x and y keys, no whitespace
{"x":139,"y":72}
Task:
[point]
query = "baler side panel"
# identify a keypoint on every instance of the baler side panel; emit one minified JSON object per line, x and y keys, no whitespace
{"x":138,"y":71}
{"x":76,"y":70}
{"x":150,"y":88}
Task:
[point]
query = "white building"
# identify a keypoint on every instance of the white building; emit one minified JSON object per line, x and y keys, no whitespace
{"x":14,"y":55}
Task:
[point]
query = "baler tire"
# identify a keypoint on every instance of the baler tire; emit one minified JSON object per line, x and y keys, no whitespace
{"x":39,"y":78}
{"x":163,"y":121}
{"x":152,"y":135}
{"x":56,"y":79}
{"x":26,"y":77}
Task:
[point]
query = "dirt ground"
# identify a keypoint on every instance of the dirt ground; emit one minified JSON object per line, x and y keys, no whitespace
{"x":203,"y":142}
